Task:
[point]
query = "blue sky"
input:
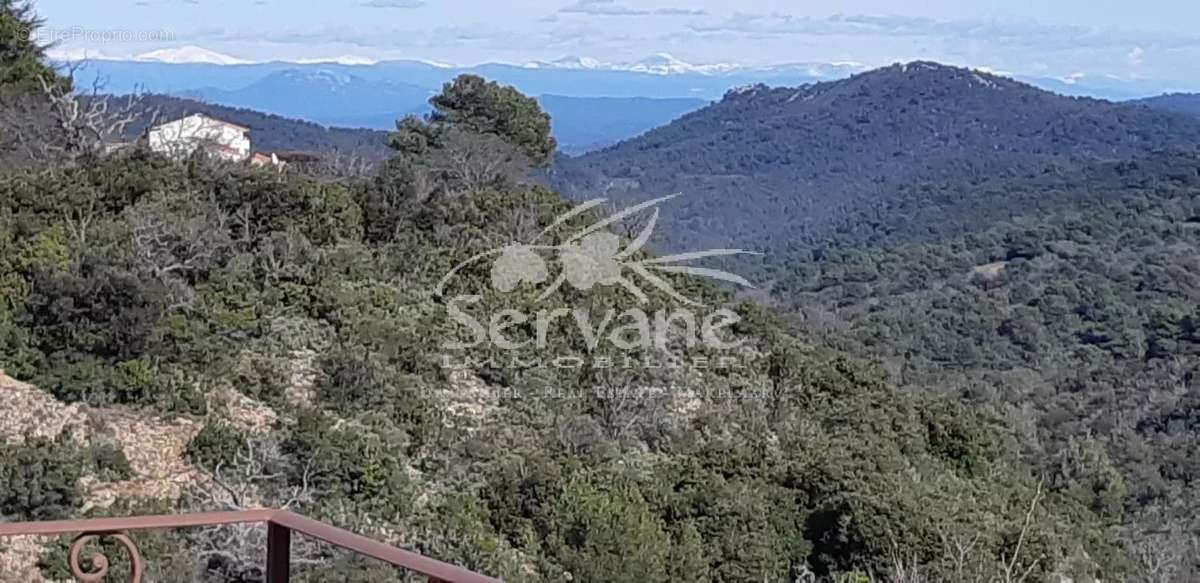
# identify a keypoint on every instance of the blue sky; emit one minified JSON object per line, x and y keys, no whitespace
{"x":1150,"y":39}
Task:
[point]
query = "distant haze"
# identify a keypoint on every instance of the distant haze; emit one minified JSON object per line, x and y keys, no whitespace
{"x":1148,"y":41}
{"x":592,"y":104}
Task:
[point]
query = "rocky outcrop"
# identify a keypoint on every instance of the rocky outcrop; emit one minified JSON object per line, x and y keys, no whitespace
{"x":154,"y":446}
{"x":26,"y":411}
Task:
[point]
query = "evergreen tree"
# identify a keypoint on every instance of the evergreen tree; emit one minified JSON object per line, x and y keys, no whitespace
{"x":476,"y":105}
{"x":21,"y":56}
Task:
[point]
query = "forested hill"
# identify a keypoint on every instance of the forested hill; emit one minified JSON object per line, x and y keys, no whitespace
{"x":767,"y":165}
{"x":273,"y":132}
{"x":931,"y":212}
{"x":1078,"y":325}
{"x":1188,"y":103}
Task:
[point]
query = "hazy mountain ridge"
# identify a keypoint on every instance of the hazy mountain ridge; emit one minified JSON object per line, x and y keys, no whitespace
{"x":325,"y":96}
{"x":126,"y":76}
{"x":1188,"y":103}
{"x":333,"y":97}
{"x":661,"y":75}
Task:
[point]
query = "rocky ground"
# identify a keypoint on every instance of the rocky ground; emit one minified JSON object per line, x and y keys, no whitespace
{"x":154,"y":447}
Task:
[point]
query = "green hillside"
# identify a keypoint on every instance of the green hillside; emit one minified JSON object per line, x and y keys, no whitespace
{"x":766,"y":167}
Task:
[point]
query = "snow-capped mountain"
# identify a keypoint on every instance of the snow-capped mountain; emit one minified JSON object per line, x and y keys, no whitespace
{"x":659,"y":64}
{"x":77,"y":55}
{"x":665,"y":64}
{"x":584,"y":63}
{"x":819,"y":70}
{"x":342,"y":60}
{"x":190,"y":68}
{"x":190,"y":54}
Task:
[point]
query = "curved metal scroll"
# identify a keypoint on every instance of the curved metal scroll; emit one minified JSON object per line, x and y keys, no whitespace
{"x":99,"y":562}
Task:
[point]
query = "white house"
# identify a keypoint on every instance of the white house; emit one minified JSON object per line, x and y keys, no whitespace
{"x":182,"y":137}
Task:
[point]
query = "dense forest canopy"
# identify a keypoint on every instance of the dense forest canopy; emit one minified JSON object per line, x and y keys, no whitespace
{"x":984,"y":376}
{"x":1074,"y":324}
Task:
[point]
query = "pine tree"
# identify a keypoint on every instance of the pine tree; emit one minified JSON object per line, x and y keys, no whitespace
{"x":22,"y":57}
{"x":475,"y":105}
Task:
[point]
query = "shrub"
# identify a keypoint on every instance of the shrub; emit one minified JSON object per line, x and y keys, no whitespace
{"x":215,"y":445}
{"x":39,"y":479}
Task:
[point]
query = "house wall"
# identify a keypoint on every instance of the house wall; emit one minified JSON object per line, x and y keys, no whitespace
{"x":182,"y":137}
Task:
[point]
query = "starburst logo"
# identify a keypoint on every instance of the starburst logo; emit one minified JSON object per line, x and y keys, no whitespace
{"x":593,"y":257}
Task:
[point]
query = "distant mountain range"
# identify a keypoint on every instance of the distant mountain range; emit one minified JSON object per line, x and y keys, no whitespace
{"x":665,"y":64}
{"x":341,"y":99}
{"x":359,"y":92}
{"x":593,"y":104}
{"x":325,"y":96}
{"x":767,"y":167}
{"x":190,"y":54}
{"x":657,"y":64}
{"x":661,"y":75}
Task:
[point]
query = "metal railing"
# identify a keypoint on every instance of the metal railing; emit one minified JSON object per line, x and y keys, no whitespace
{"x":280,"y":526}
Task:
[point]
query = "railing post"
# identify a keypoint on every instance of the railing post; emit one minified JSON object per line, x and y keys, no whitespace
{"x":279,"y":553}
{"x":281,"y":524}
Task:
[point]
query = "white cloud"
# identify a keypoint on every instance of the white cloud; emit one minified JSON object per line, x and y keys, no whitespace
{"x":614,"y":8}
{"x":394,"y":3}
{"x":1136,"y":56}
{"x":988,"y":31}
{"x":479,"y":39}
{"x":681,"y":12}
{"x":602,"y":8}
